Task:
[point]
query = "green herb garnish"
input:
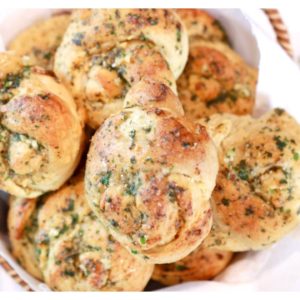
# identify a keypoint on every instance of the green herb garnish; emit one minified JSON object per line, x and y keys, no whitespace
{"x":181,"y":267}
{"x":280,"y":143}
{"x":69,"y":273}
{"x":143,"y":240}
{"x":77,"y":38}
{"x":242,"y":170}
{"x":225,"y":201}
{"x":249,"y":211}
{"x":114,"y":223}
{"x":69,"y":206}
{"x":106,"y":178}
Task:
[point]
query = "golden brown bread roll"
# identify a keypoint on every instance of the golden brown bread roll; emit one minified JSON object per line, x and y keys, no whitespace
{"x":201,"y":264}
{"x":77,"y":253}
{"x":106,"y":51}
{"x":150,"y":174}
{"x":41,"y":133}
{"x":131,"y":61}
{"x":201,"y":25}
{"x":22,"y":228}
{"x":72,"y":249}
{"x":216,"y":79}
{"x":41,"y":40}
{"x":256,"y":200}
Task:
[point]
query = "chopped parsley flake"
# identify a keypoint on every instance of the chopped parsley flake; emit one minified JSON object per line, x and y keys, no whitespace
{"x":142,"y":37}
{"x":132,"y":134}
{"x":106,"y":178}
{"x":75,"y":218}
{"x":222,"y":97}
{"x":225,"y":201}
{"x":132,"y":187}
{"x":133,"y":160}
{"x":70,"y":205}
{"x":181,"y":267}
{"x":37,"y":252}
{"x":242,"y":170}
{"x":186,"y":145}
{"x":143,"y":240}
{"x":69,"y":273}
{"x":194,"y":97}
{"x":12,"y":81}
{"x":283,"y":181}
{"x":47,"y":55}
{"x":178,"y":32}
{"x":43,"y":239}
{"x":280,"y":143}
{"x":153,"y":21}
{"x":62,"y":230}
{"x":218,"y":242}
{"x":147,"y":129}
{"x":249,"y":211}
{"x":279,"y":111}
{"x":77,"y":39}
{"x":114,"y":223}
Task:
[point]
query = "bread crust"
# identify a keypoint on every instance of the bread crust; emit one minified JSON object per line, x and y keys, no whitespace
{"x":256,"y":199}
{"x":106,"y":51}
{"x":201,"y":25}
{"x":68,"y":248}
{"x":149,"y":177}
{"x":40,"y":41}
{"x":216,"y":80}
{"x":41,"y":131}
{"x":201,"y":264}
{"x":22,"y":229}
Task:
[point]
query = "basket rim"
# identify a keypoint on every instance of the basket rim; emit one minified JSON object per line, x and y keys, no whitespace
{"x":280,"y":29}
{"x":283,"y":40}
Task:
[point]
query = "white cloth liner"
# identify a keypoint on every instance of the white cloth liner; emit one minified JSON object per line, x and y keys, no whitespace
{"x":276,"y":268}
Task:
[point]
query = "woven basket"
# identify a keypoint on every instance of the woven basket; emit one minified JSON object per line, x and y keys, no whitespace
{"x":284,"y":41}
{"x":280,"y":30}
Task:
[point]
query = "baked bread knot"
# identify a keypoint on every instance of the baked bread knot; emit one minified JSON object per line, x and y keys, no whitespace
{"x":106,"y":51}
{"x":215,"y":80}
{"x":58,"y":239}
{"x":150,"y":174}
{"x":40,"y":41}
{"x":201,"y":264}
{"x":22,"y":228}
{"x":41,"y":133}
{"x":256,"y":199}
{"x":201,"y":25}
{"x":149,"y":93}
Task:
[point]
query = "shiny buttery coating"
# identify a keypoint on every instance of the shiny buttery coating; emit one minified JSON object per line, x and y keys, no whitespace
{"x":41,"y":133}
{"x":73,"y":250}
{"x":40,"y":41}
{"x":106,"y":51}
{"x":256,"y":199}
{"x":201,"y":264}
{"x":150,"y":174}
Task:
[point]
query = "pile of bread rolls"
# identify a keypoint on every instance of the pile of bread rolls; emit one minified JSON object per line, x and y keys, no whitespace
{"x":129,"y":151}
